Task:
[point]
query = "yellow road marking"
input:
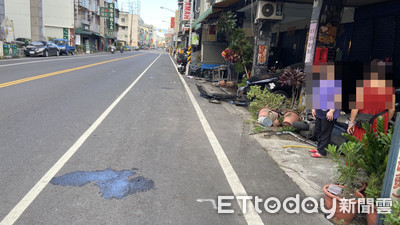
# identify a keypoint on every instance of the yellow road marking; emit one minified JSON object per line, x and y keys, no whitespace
{"x":61,"y":72}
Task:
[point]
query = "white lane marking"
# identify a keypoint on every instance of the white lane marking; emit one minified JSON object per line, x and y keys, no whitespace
{"x":50,"y":60}
{"x":17,"y":211}
{"x":252,"y":217}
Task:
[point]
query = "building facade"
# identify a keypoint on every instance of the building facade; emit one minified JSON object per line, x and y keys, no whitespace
{"x":58,"y":18}
{"x":123,"y":32}
{"x":19,"y":12}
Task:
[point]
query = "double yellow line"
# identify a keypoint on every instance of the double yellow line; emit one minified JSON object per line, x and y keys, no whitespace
{"x":61,"y":72}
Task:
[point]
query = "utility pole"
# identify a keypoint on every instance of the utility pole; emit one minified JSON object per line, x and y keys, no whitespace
{"x":131,"y":26}
{"x":190,"y":37}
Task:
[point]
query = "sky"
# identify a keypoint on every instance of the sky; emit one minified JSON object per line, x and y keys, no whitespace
{"x":151,"y":13}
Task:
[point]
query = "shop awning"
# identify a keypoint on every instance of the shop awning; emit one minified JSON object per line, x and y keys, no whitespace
{"x":202,"y":16}
{"x":80,"y":31}
{"x":214,"y":11}
{"x":198,"y":26}
{"x":97,"y":34}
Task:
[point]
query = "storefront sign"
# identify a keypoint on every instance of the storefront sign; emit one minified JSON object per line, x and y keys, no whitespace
{"x":312,"y":36}
{"x":72,"y":37}
{"x":104,"y":11}
{"x":111,"y":20}
{"x":87,"y":45}
{"x":78,"y":39}
{"x":195,"y":39}
{"x":172,"y":22}
{"x":262,"y":54}
{"x":65,"y":33}
{"x":186,"y":10}
{"x":327,"y":34}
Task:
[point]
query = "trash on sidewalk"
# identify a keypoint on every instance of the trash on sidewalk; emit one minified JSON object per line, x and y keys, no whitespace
{"x":213,"y":92}
{"x":265,"y":121}
{"x":215,"y":101}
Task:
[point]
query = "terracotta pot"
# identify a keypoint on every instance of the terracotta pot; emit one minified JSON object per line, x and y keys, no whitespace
{"x":372,"y":216}
{"x":267,"y":112}
{"x":289,"y":118}
{"x":264,"y":112}
{"x":347,"y":217}
{"x":230,"y":84}
{"x":276,"y":123}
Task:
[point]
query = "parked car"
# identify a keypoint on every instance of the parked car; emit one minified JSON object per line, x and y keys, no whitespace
{"x":64,"y":47}
{"x":127,"y":48}
{"x":42,"y":48}
{"x":22,"y":42}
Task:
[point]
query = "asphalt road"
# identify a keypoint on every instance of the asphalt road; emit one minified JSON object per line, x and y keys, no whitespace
{"x":117,"y":139}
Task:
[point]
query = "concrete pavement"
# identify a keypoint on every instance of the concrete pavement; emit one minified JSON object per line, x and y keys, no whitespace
{"x":154,"y":130}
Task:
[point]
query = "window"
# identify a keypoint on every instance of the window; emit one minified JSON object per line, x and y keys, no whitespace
{"x":123,"y":20}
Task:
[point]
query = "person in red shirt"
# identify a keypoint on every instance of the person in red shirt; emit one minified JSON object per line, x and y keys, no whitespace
{"x":373,"y":97}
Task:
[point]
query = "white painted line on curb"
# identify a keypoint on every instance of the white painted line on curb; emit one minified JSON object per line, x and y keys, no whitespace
{"x":17,"y":211}
{"x":252,"y":217}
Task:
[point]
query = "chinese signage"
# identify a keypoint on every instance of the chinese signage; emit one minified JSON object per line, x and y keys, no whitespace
{"x":172,"y":22}
{"x":65,"y":33}
{"x":186,"y":10}
{"x":262,"y":54}
{"x":104,"y":11}
{"x":195,"y":39}
{"x":395,"y":193}
{"x":111,"y":21}
{"x":312,"y":36}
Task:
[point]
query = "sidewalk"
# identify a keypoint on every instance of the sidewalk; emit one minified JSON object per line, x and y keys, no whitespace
{"x":310,"y":174}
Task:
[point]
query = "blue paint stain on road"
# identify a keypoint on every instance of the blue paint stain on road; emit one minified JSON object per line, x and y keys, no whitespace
{"x":112,"y":184}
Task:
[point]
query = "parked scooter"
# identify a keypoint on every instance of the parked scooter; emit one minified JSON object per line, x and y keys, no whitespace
{"x":182,"y":61}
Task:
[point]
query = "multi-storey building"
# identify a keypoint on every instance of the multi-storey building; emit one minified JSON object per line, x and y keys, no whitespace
{"x":146,"y":36}
{"x":90,"y":28}
{"x":123,"y":28}
{"x":87,"y":23}
{"x":58,"y":19}
{"x":19,"y":12}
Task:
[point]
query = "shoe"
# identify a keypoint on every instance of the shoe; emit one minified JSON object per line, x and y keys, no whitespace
{"x":317,"y":155}
{"x":313,"y":150}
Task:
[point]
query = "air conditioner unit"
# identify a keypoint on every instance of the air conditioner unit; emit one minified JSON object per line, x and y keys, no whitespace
{"x":269,"y":10}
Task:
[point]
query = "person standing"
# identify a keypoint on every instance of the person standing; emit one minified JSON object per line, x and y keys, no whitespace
{"x":325,"y":120}
{"x":375,"y":97}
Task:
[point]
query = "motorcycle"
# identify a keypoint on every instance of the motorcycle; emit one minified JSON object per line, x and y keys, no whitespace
{"x":121,"y":50}
{"x":182,"y":62}
{"x":112,"y":49}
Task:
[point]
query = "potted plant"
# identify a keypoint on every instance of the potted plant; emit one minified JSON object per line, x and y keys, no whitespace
{"x":295,"y":78}
{"x":263,"y":101}
{"x":350,"y":174}
{"x":374,"y":156}
{"x":373,"y":190}
{"x":394,"y":217}
{"x":240,"y":51}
